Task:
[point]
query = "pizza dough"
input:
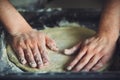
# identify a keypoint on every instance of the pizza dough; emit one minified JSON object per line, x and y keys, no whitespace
{"x":65,"y":37}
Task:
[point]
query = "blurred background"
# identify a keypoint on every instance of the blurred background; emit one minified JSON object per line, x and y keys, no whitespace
{"x":37,"y":4}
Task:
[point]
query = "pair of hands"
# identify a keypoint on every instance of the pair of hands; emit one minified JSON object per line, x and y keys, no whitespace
{"x":93,"y":54}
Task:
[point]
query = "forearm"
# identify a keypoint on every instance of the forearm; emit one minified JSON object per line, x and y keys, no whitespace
{"x":12,"y":20}
{"x":109,"y":23}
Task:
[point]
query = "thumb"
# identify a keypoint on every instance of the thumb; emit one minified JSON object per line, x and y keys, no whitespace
{"x":51,"y":43}
{"x":72,"y":50}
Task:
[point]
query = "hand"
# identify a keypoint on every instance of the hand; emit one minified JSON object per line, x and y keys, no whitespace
{"x":94,"y":53}
{"x":30,"y":47}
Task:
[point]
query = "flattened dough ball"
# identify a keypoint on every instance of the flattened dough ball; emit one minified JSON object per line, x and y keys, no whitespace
{"x":65,"y":37}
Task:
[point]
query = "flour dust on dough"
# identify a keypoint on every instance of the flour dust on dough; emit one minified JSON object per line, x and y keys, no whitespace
{"x":65,"y":37}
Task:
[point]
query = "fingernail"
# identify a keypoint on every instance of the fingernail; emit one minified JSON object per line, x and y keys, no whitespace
{"x":100,"y":65}
{"x":33,"y":64}
{"x":54,"y":48}
{"x":46,"y":63}
{"x":67,"y":52}
{"x":39,"y":62}
{"x":85,"y":70}
{"x":40,"y":66}
{"x":69,"y":68}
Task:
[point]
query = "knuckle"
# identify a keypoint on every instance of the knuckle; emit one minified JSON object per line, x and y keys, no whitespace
{"x":100,"y":54}
{"x":26,"y":39}
{"x":37,"y":57}
{"x":40,"y":35}
{"x":33,"y":46}
{"x":34,"y":50}
{"x":91,"y":47}
{"x":42,"y":51}
{"x":21,"y":44}
{"x":34,"y":41}
{"x":32,"y":35}
{"x":96,"y":51}
{"x":28,"y":54}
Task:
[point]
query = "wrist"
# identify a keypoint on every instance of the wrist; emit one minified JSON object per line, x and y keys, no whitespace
{"x":19,"y":30}
{"x":111,"y":36}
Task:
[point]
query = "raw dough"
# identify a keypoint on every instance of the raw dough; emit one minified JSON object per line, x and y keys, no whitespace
{"x":65,"y":37}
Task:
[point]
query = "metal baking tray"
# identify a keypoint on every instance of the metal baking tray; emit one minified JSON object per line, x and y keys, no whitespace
{"x":39,"y":19}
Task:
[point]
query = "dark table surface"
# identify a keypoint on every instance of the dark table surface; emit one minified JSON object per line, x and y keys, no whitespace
{"x":51,"y":17}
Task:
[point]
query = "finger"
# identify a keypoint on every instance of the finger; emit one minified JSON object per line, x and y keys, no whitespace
{"x":51,"y":44}
{"x":97,"y":67}
{"x":21,"y":56}
{"x":42,"y":50}
{"x":44,"y":55}
{"x":29,"y":57}
{"x":92,"y":63}
{"x":83,"y":62}
{"x":21,"y":43}
{"x":72,"y":50}
{"x":76,"y":60}
{"x":18,"y":48}
{"x":102,"y":64}
{"x":37,"y":56}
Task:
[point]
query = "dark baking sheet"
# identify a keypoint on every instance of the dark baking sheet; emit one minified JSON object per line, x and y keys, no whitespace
{"x":52,"y":17}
